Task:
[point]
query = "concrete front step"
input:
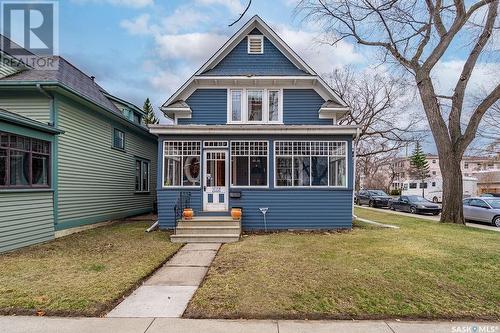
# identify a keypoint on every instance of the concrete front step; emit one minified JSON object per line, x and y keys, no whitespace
{"x":189,"y":223}
{"x":211,"y":238}
{"x":208,"y":230}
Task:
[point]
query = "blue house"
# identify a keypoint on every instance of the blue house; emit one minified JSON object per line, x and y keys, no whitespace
{"x":255,"y":128}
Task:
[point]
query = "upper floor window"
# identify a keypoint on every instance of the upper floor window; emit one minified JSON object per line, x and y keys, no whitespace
{"x":118,"y":139}
{"x":259,"y":106}
{"x":255,"y":44}
{"x":24,"y":162}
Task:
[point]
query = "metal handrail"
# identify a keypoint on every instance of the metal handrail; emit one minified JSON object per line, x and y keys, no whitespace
{"x":183,"y":201}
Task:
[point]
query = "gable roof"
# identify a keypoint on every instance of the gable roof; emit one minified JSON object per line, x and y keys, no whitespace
{"x":69,"y":76}
{"x":254,"y":23}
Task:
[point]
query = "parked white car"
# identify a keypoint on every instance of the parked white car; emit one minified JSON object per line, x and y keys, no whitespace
{"x":483,"y":209}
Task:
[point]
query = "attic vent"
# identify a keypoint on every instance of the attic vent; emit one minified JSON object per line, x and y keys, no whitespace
{"x":255,"y":44}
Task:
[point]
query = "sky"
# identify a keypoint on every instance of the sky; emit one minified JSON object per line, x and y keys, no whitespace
{"x":148,"y":48}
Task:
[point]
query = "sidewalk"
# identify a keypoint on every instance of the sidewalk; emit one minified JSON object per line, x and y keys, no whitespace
{"x":168,"y":292}
{"x":174,"y":325}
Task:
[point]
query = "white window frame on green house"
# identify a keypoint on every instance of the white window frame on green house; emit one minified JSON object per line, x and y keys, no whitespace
{"x":305,"y":149}
{"x":115,"y":131}
{"x":266,"y":106}
{"x":144,"y":165}
{"x":188,"y":148}
{"x":252,"y":152}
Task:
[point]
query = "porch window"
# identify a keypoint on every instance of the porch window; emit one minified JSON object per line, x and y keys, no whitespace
{"x":142,"y":172}
{"x":24,"y":162}
{"x":310,"y":164}
{"x":181,"y":163}
{"x":249,"y":163}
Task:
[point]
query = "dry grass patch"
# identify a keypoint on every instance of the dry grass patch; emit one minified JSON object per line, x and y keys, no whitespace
{"x":81,"y":274}
{"x":422,"y":270}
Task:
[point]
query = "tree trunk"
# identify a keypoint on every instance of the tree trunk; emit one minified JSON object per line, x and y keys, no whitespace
{"x":449,"y":156}
{"x":452,"y":189}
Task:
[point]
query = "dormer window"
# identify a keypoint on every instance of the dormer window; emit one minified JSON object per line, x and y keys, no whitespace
{"x":255,"y":44}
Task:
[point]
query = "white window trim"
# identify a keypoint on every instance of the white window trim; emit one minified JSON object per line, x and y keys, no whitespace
{"x":231,"y":166}
{"x":261,"y":37}
{"x":244,"y":105}
{"x":163,"y":166}
{"x":313,"y":186}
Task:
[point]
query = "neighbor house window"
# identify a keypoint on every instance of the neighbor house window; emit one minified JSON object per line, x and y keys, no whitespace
{"x":142,"y":173}
{"x":310,"y":163}
{"x":181,"y":163}
{"x":413,"y":185}
{"x":255,"y":106}
{"x":118,"y":139}
{"x":24,"y":162}
{"x":249,"y":163}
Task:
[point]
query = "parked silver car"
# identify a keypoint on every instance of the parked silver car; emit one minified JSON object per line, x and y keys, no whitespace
{"x":483,"y":209}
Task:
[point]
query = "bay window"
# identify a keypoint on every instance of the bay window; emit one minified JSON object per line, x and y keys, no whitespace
{"x":181,"y":163}
{"x":24,"y":162}
{"x":310,"y":164}
{"x":255,"y":106}
{"x":249,"y":163}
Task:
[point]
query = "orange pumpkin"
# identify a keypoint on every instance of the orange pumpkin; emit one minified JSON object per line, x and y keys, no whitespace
{"x":187,"y":214}
{"x":236,"y":213}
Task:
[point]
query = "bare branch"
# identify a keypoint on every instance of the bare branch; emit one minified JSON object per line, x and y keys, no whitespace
{"x":242,"y":14}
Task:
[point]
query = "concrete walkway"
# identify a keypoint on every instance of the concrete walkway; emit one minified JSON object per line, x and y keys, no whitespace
{"x":174,"y":325}
{"x":168,"y":292}
{"x":432,"y":218}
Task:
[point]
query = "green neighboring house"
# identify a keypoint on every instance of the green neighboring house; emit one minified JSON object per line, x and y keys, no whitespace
{"x":71,"y":154}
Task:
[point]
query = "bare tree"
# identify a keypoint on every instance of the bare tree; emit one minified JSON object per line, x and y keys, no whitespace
{"x":379,"y":105}
{"x":415,"y":35}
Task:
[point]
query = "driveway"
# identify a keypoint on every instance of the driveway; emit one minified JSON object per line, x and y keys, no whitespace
{"x":433,"y":218}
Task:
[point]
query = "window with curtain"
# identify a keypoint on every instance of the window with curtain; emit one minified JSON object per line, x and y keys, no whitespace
{"x":24,"y":162}
{"x":249,"y":161}
{"x":310,"y":164}
{"x":181,"y":166}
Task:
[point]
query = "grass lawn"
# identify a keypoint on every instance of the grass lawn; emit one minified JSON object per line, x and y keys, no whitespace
{"x":81,"y":274}
{"x":423,"y":270}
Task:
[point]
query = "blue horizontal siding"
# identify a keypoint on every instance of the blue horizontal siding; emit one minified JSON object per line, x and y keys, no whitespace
{"x":289,"y":208}
{"x":209,"y":107}
{"x":239,"y":62}
{"x":300,"y":107}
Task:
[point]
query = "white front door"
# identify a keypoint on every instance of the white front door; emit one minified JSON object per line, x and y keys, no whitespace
{"x":215,"y":189}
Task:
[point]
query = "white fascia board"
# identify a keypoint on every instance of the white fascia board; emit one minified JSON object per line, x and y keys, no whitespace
{"x":253,"y":129}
